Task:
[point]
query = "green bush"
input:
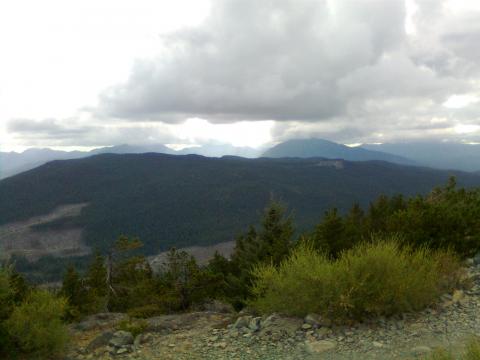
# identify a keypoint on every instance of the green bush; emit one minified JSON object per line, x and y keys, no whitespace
{"x":146,"y":311}
{"x":6,"y":305}
{"x":36,"y":326}
{"x":471,"y":352}
{"x":133,"y":326}
{"x":372,"y":279}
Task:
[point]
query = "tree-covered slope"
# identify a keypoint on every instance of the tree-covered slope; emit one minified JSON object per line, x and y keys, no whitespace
{"x":171,"y":200}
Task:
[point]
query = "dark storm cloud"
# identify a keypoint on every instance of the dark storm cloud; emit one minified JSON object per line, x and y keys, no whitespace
{"x":256,"y":60}
{"x":68,"y":132}
{"x":345,"y":70}
{"x":50,"y":128}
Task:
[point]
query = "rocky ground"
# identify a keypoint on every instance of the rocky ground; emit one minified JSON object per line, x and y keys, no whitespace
{"x":219,"y":334}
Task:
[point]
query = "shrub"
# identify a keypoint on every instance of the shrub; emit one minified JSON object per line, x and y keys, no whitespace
{"x":471,"y":352}
{"x":372,"y":279}
{"x":6,"y":304}
{"x":133,"y":326}
{"x":36,"y":325}
{"x":146,"y":311}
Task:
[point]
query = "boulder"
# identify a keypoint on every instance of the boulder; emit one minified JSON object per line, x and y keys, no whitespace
{"x":279,"y":327}
{"x":100,"y":341}
{"x":243,"y":321}
{"x":99,"y":321}
{"x":255,"y":324}
{"x":218,"y":306}
{"x":121,"y":338}
{"x":313,"y":319}
{"x":320,"y":346}
{"x":421,"y":350}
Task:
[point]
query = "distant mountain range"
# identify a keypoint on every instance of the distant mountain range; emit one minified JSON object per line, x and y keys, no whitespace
{"x":440,"y":155}
{"x":12,"y":163}
{"x":306,"y":148}
{"x":175,"y":200}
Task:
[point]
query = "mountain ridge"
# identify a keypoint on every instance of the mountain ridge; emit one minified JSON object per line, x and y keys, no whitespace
{"x":314,"y":147}
{"x":185,"y":200}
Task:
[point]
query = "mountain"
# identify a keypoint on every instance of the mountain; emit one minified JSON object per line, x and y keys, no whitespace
{"x":441,"y":155}
{"x":12,"y":163}
{"x":305,"y":148}
{"x":175,"y":200}
{"x":132,"y":149}
{"x":218,"y":150}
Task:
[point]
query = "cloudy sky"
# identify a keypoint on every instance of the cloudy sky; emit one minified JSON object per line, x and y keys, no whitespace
{"x":82,"y":74}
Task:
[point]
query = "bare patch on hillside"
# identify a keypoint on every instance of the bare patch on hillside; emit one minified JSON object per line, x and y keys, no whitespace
{"x":201,"y":253}
{"x":21,"y":238}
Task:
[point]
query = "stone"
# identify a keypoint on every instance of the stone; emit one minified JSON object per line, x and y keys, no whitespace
{"x":377,"y":344}
{"x":313,"y":319}
{"x":122,"y":350}
{"x":306,"y":326}
{"x":320,"y":346}
{"x":476,"y":259}
{"x":101,"y":340}
{"x":99,"y":321}
{"x":242,"y":321}
{"x":138,"y":341}
{"x":121,"y":338}
{"x":457,"y":296}
{"x":255,"y":324}
{"x":421,"y":350}
{"x":218,"y":306}
{"x":323,"y":331}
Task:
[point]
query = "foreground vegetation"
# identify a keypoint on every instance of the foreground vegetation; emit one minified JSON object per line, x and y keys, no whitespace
{"x":372,"y":279}
{"x":471,"y":352}
{"x":31,"y":320}
{"x":397,"y":256}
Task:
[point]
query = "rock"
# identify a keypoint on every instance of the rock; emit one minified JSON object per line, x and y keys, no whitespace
{"x":457,"y":296}
{"x":242,"y":321}
{"x":476,"y":259}
{"x":101,"y":340}
{"x":421,"y":350}
{"x":122,"y":350}
{"x":121,"y":338}
{"x":313,"y":319}
{"x":279,"y":327}
{"x":323,"y":331}
{"x":255,"y":324}
{"x":101,"y":320}
{"x":218,"y":306}
{"x":306,"y":326}
{"x":377,"y":344}
{"x":248,"y":311}
{"x":320,"y":346}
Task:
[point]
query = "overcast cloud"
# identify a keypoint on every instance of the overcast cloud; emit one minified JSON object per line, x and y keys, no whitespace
{"x":346,"y":70}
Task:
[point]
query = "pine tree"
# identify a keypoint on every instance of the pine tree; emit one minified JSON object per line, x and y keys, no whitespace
{"x":74,"y":291}
{"x":330,"y":234}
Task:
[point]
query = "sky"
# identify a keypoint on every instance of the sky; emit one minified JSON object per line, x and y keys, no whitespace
{"x":84,"y":74}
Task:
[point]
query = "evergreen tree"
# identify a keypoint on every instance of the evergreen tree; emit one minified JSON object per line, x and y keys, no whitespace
{"x":272,"y":243}
{"x":330,"y":235}
{"x":74,"y":291}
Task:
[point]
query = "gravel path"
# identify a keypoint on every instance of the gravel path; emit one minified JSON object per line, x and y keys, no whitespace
{"x":222,"y":336}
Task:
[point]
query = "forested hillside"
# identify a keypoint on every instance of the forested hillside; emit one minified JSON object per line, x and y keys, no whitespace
{"x":178,"y":201}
